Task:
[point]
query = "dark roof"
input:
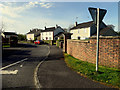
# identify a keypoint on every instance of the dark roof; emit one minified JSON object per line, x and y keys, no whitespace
{"x":59,"y":34}
{"x":48,"y":29}
{"x":34,"y":31}
{"x":9,"y":33}
{"x":83,"y":25}
{"x":105,"y":30}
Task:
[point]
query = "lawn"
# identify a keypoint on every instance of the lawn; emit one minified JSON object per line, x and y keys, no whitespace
{"x":109,"y":76}
{"x":5,"y":45}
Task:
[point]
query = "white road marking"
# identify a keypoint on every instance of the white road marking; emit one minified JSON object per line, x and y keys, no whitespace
{"x":37,"y":83}
{"x":9,"y":72}
{"x":13,"y":64}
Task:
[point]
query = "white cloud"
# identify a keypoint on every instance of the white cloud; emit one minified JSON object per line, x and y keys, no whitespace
{"x":61,"y":0}
{"x":46,"y":5}
{"x":16,"y":11}
{"x":24,"y":26}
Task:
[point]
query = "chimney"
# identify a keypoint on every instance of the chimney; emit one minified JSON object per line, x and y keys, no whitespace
{"x":56,"y":25}
{"x":45,"y":27}
{"x":76,"y":24}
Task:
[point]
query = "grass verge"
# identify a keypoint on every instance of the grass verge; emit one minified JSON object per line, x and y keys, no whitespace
{"x":109,"y":76}
{"x":5,"y":45}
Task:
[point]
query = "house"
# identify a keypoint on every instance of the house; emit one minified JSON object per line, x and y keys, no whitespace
{"x":107,"y":31}
{"x":88,"y":29}
{"x":51,"y":33}
{"x":33,"y":34}
{"x":9,"y":38}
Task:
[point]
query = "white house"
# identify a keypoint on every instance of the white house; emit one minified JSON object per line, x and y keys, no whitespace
{"x":51,"y":33}
{"x":33,"y":34}
{"x":88,"y":29}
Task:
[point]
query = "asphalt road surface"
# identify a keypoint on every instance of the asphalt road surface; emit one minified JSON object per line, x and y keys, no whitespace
{"x":40,"y":66}
{"x":54,"y":73}
{"x":19,"y":65}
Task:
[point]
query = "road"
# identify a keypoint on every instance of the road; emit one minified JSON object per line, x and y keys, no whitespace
{"x":40,"y":66}
{"x":54,"y":73}
{"x":22,"y":74}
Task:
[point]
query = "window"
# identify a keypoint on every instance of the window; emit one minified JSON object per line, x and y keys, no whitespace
{"x":78,"y":31}
{"x":46,"y":33}
{"x":49,"y":33}
{"x":49,"y":38}
{"x":85,"y":30}
{"x":78,"y":38}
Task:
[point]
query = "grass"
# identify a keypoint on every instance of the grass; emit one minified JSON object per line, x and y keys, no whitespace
{"x":48,"y":41}
{"x":109,"y":76}
{"x":6,"y":45}
{"x":58,"y":43}
{"x":26,"y":42}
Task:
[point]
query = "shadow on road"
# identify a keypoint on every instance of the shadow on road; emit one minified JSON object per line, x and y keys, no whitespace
{"x":26,"y":46}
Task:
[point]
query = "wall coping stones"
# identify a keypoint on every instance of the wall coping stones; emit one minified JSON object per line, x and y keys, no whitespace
{"x":80,"y":41}
{"x":105,"y":37}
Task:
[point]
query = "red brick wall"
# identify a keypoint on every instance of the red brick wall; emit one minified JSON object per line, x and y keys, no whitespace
{"x":109,"y":50}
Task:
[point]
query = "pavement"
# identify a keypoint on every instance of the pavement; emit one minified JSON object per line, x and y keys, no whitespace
{"x":54,"y":73}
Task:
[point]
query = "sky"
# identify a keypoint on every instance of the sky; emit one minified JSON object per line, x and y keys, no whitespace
{"x":23,"y":16}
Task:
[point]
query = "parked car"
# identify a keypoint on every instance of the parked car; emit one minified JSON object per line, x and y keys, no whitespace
{"x":38,"y":42}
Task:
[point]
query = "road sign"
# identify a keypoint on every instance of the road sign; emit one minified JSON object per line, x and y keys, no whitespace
{"x":93,"y":12}
{"x":97,"y":16}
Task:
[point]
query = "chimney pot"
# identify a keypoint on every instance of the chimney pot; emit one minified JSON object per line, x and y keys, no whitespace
{"x":45,"y":27}
{"x":76,"y":24}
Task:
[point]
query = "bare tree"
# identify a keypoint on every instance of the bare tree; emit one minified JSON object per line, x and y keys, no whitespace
{"x":2,"y":26}
{"x":70,"y":26}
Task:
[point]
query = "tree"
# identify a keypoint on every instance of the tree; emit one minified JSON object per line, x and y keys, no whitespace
{"x":70,"y":26}
{"x":2,"y":27}
{"x":118,"y":33}
{"x":65,"y":29}
{"x":21,"y":37}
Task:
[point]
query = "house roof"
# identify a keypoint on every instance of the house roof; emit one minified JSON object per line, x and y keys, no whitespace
{"x":48,"y":29}
{"x":9,"y":33}
{"x":105,"y":31}
{"x":59,"y":34}
{"x":36,"y":32}
{"x":83,"y":25}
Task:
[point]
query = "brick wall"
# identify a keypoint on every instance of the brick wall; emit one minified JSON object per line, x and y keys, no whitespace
{"x":109,"y":50}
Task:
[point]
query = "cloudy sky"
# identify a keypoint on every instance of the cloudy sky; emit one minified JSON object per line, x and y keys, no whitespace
{"x":23,"y":16}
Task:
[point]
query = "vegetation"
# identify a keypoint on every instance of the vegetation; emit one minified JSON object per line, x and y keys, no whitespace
{"x":106,"y":75}
{"x":47,"y":41}
{"x":58,"y":42}
{"x":6,"y":45}
{"x":21,"y":37}
{"x":119,"y":33}
{"x":29,"y":42}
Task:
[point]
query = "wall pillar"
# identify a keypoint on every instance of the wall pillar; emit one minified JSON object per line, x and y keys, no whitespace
{"x":66,"y":36}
